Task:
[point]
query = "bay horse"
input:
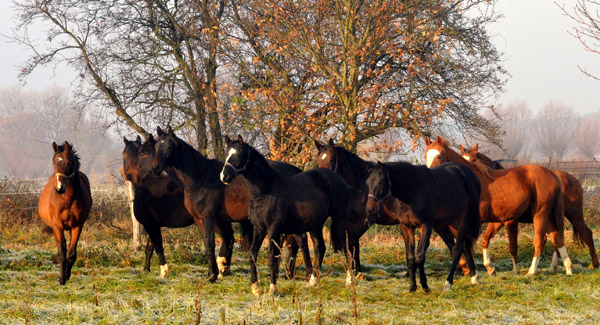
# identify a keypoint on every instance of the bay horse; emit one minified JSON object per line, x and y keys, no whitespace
{"x":354,"y":170}
{"x":65,"y":204}
{"x":528,"y":194}
{"x":213,"y":205}
{"x":279,"y":205}
{"x":573,"y":203}
{"x":447,"y":195}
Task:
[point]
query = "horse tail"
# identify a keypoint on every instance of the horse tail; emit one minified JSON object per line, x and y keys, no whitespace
{"x":558,"y":210}
{"x":47,"y":230}
{"x":247,"y":235}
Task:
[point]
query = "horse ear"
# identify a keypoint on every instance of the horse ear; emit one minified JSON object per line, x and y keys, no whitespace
{"x":54,"y":146}
{"x":125,"y":140}
{"x":151,"y":140}
{"x":440,"y":139}
{"x":462,"y":149}
{"x":427,"y":141}
{"x":475,"y":148}
{"x":318,"y":145}
{"x":227,"y":140}
{"x":331,"y":143}
{"x":170,"y":131}
{"x":138,"y":139}
{"x":159,"y":131}
{"x":240,"y":139}
{"x":67,"y":146}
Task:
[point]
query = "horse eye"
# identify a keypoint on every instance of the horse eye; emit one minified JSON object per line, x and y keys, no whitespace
{"x":439,"y":157}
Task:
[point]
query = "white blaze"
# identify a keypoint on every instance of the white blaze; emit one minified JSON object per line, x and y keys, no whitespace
{"x":467,"y":158}
{"x":231,"y":152}
{"x":431,"y":154}
{"x":58,"y":183}
{"x":324,"y":156}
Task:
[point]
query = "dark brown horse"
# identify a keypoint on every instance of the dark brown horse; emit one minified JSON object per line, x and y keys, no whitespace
{"x":65,"y":204}
{"x":446,"y":195}
{"x":280,"y":205}
{"x":354,"y":170}
{"x":573,"y":202}
{"x":212,"y":204}
{"x":530,"y":194}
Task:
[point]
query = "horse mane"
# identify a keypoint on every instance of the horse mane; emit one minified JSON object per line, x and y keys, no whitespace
{"x":483,"y":168}
{"x":260,"y":158}
{"x":61,"y":148}
{"x":356,"y":163}
{"x":412,"y":176}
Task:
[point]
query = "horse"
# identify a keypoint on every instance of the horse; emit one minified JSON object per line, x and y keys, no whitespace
{"x":573,"y":203}
{"x":354,"y":170}
{"x":213,"y":205}
{"x":279,"y":205}
{"x":446,"y":195}
{"x":65,"y":204}
{"x":528,"y":194}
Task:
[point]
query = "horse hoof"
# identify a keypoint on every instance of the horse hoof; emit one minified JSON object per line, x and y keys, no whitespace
{"x":474,"y":279}
{"x":530,"y":274}
{"x":273,"y":289}
{"x":412,"y":288}
{"x":447,"y":287}
{"x":313,"y":281}
{"x":164,"y":271}
{"x":256,"y":289}
{"x":212,"y":278}
{"x":220,"y":276}
{"x":426,"y":289}
{"x":360,"y":276}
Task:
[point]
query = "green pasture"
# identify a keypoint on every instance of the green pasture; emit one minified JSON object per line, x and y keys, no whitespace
{"x":109,"y":286}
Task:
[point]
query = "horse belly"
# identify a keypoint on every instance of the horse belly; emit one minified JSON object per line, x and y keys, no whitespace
{"x":505,"y":203}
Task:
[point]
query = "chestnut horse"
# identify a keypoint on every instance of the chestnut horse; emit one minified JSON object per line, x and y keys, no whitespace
{"x":355,"y":170}
{"x":65,"y":204}
{"x":573,"y":202}
{"x":529,"y":193}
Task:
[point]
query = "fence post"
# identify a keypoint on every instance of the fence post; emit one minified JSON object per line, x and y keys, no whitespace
{"x":137,"y":227}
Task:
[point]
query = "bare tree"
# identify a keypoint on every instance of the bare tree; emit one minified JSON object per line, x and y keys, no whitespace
{"x":516,"y":122}
{"x":587,"y":136}
{"x":555,"y":125}
{"x":586,"y":13}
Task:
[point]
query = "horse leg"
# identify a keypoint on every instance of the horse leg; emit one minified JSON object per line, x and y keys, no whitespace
{"x":149,"y":250}
{"x":468,"y":253}
{"x":457,"y":250}
{"x":539,"y":240}
{"x":257,"y":239}
{"x":59,"y":236}
{"x":303,"y":242}
{"x":319,"y":247}
{"x":208,"y":225}
{"x":274,"y":257}
{"x":357,"y":232}
{"x":421,"y":251}
{"x":559,"y":244}
{"x":408,"y":234}
{"x":293,"y":244}
{"x":448,"y":238}
{"x":224,"y":260}
{"x":155,"y":238}
{"x":585,"y":234}
{"x":512,"y":230}
{"x":72,"y":251}
{"x":492,"y":230}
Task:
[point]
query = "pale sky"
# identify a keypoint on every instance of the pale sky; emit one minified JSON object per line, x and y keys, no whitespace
{"x":540,"y":55}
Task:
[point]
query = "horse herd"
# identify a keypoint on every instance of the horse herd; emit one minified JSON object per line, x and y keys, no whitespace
{"x":177,"y":186}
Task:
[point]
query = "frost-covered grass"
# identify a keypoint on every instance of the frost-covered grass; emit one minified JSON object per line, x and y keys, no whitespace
{"x":108,"y":285}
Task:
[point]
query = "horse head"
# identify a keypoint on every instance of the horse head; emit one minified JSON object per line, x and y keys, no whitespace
{"x":327,"y":156}
{"x":238,"y":156}
{"x":165,"y":147}
{"x":380,"y":188}
{"x":130,"y":157}
{"x":66,"y":165}
{"x":436,"y":152}
{"x":470,"y":155}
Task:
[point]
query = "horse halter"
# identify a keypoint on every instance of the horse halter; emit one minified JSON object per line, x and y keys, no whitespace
{"x":382,"y":199}
{"x":236,"y":170}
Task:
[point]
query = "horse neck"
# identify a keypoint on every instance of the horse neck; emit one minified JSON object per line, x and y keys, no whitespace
{"x":353,"y":169}
{"x":406,"y":179}
{"x":259,"y":175}
{"x":190,"y":166}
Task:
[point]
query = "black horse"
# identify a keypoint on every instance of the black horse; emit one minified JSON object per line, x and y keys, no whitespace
{"x":213,"y":205}
{"x":447,"y":195}
{"x":286,"y":205}
{"x":355,"y":171}
{"x":159,"y":202}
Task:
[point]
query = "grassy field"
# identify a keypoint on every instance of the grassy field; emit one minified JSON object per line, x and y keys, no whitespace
{"x":109,"y":286}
